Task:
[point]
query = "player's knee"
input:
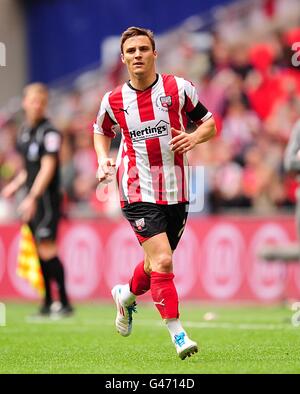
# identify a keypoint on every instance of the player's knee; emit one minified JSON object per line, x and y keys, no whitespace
{"x":47,"y":250}
{"x":147,"y":265}
{"x":163,"y":263}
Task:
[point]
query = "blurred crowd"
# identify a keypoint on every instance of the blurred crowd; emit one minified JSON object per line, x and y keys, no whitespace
{"x":247,"y":73}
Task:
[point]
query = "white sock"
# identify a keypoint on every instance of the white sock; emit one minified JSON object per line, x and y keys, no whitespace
{"x":127,"y":298}
{"x":174,"y":327}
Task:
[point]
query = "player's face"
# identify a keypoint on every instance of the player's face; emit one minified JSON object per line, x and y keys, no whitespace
{"x":139,"y":56}
{"x":35,"y":105}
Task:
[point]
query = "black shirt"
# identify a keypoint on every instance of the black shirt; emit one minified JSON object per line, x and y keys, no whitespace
{"x":35,"y":142}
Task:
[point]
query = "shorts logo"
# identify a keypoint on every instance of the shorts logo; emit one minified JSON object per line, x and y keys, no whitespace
{"x":140,"y":224}
{"x":166,"y":101}
{"x":159,"y":130}
{"x":181,"y":230}
{"x":43,"y":232}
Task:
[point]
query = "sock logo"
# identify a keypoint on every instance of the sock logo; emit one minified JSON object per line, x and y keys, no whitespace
{"x":160,"y":303}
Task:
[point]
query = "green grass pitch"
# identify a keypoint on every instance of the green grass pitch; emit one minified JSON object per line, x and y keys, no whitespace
{"x":241,"y":339}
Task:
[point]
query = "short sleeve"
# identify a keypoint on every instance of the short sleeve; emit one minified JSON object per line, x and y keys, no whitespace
{"x":105,"y":125}
{"x":195,"y":110}
{"x":51,"y":142}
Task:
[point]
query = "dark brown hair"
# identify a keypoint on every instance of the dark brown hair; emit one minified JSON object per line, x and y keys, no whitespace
{"x":137,"y":31}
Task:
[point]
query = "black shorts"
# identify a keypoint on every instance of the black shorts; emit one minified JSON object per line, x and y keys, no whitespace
{"x":149,"y":219}
{"x":45,"y":221}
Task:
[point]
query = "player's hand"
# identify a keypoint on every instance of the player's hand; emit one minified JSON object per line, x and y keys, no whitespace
{"x":182,"y":142}
{"x":106,"y":169}
{"x":27,"y":208}
{"x":9,"y":190}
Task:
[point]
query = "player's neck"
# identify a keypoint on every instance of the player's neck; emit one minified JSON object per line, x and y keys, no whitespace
{"x":33,"y":122}
{"x":142,"y":82}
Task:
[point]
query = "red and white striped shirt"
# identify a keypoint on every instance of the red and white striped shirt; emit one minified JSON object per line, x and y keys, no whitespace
{"x":147,"y":169}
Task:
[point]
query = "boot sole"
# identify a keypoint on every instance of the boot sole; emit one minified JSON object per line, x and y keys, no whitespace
{"x":188,"y":352}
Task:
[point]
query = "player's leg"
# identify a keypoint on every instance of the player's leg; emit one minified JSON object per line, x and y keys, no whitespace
{"x":48,"y":300}
{"x":297,"y":213}
{"x":177,"y":218}
{"x":125,"y":296}
{"x":47,"y":250}
{"x":45,"y":308}
{"x":146,"y":221}
{"x":45,"y":232}
{"x":159,"y":250}
{"x":139,"y":283}
{"x":164,"y":292}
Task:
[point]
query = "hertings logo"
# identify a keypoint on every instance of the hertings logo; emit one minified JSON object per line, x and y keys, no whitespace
{"x":161,"y":129}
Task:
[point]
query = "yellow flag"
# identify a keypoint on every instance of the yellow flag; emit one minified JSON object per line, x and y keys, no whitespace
{"x":28,"y":264}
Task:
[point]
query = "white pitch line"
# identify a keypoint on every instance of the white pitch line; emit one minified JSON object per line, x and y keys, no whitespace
{"x":84,"y":323}
{"x":227,"y":326}
{"x":238,"y":326}
{"x":205,"y":325}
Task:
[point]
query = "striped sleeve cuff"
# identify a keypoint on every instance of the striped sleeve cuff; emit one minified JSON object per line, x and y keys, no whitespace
{"x":206,"y":117}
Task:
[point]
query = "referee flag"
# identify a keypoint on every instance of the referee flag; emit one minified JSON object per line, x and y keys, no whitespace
{"x":28,"y":264}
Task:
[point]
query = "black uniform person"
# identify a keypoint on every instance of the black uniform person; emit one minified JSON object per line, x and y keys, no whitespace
{"x":288,"y":251}
{"x":39,"y":143}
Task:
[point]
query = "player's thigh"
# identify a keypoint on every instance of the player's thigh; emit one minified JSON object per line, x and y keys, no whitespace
{"x":47,"y":249}
{"x":147,"y":264}
{"x":44,"y":227}
{"x":146,"y":219}
{"x":177,"y":216}
{"x":159,"y":253}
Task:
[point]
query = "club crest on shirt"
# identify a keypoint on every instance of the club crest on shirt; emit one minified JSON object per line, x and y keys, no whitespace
{"x":166,"y":101}
{"x":33,"y":152}
{"x":163,"y":102}
{"x":140,"y":223}
{"x":25,"y":137}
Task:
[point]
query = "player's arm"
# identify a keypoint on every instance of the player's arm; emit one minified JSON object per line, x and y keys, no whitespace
{"x":104,"y":131}
{"x":182,"y":142}
{"x":44,"y":176}
{"x":205,"y":131}
{"x":292,"y":152}
{"x":49,"y":158}
{"x":12,"y":187}
{"x":102,"y":147}
{"x":27,"y":208}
